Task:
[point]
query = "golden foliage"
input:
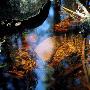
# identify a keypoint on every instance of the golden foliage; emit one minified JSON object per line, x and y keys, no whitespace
{"x":69,"y":46}
{"x":23,"y":63}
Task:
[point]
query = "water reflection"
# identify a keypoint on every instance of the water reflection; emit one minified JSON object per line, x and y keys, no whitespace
{"x":44,"y":31}
{"x":28,"y":40}
{"x":37,"y":46}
